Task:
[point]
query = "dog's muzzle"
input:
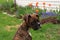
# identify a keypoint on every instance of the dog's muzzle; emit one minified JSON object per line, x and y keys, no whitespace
{"x":37,"y":26}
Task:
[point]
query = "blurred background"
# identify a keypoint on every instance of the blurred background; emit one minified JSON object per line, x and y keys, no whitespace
{"x":49,"y":4}
{"x":12,"y":12}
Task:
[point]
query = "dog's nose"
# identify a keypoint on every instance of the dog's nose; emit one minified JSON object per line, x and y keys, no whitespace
{"x":38,"y":23}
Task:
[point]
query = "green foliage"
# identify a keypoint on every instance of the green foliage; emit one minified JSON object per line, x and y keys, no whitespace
{"x":40,"y":10}
{"x":24,"y":10}
{"x":7,"y":20}
{"x":4,"y":1}
{"x":7,"y":6}
{"x":44,"y":10}
{"x":47,"y":32}
{"x":28,"y":10}
{"x":58,"y":17}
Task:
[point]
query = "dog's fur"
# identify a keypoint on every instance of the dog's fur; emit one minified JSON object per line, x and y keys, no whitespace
{"x":30,"y":21}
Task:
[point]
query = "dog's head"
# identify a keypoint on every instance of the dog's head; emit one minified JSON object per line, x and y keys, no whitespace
{"x":32,"y":21}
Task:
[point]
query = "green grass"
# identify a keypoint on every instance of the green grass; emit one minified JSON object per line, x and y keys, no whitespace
{"x":7,"y":21}
{"x":47,"y":32}
{"x":3,"y":1}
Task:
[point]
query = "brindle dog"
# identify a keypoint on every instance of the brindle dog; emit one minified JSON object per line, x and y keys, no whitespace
{"x":30,"y":21}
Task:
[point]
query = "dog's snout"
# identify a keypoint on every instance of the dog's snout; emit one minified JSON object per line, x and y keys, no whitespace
{"x":38,"y":23}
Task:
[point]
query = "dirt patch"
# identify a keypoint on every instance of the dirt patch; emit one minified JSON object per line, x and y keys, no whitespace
{"x":50,"y":20}
{"x":48,"y":36}
{"x":8,"y":28}
{"x":58,"y":31}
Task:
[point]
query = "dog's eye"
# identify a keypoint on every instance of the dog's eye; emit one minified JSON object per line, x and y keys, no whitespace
{"x":37,"y":20}
{"x":37,"y":16}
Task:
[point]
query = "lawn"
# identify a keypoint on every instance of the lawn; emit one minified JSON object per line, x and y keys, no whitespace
{"x":9,"y":25}
{"x":3,"y":1}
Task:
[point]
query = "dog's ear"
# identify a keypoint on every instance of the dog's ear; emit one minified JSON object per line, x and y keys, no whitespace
{"x":27,"y":18}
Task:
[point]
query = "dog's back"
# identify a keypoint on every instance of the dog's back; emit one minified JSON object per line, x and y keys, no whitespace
{"x":22,"y":33}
